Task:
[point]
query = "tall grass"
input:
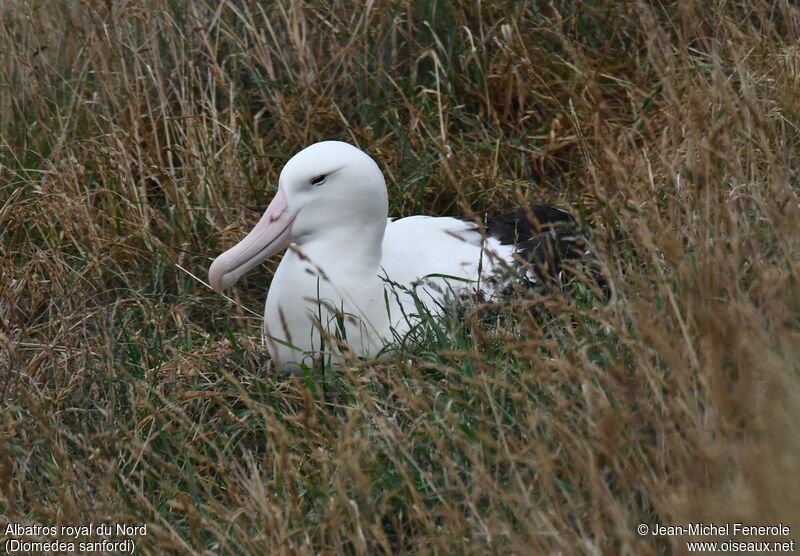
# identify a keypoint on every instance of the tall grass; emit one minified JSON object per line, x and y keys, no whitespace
{"x":139,"y":139}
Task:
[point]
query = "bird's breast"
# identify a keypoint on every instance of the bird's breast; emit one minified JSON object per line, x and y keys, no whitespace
{"x":307,"y":306}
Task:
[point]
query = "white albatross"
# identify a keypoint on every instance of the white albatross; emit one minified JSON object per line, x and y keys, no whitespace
{"x":349,"y":270}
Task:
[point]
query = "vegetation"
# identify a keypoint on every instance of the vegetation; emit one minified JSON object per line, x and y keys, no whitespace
{"x":139,"y":139}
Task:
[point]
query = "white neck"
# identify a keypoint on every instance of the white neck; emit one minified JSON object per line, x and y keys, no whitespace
{"x":346,"y":249}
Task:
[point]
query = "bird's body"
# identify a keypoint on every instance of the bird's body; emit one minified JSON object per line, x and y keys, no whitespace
{"x":422,"y":259}
{"x":350,"y":275}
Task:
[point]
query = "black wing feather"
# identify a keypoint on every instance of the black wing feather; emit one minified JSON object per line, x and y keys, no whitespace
{"x":549,"y":239}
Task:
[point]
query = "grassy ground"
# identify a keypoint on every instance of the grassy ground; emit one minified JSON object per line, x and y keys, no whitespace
{"x":139,"y":139}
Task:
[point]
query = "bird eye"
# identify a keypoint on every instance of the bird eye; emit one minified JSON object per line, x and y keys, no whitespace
{"x":319,"y":180}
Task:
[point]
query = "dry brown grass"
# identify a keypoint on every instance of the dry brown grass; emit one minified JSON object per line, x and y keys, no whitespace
{"x":134,"y":136}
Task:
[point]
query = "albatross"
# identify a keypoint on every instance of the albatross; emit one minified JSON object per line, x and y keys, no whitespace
{"x":352,"y":273}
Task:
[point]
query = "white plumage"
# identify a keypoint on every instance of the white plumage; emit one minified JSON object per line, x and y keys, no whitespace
{"x":343,"y":254}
